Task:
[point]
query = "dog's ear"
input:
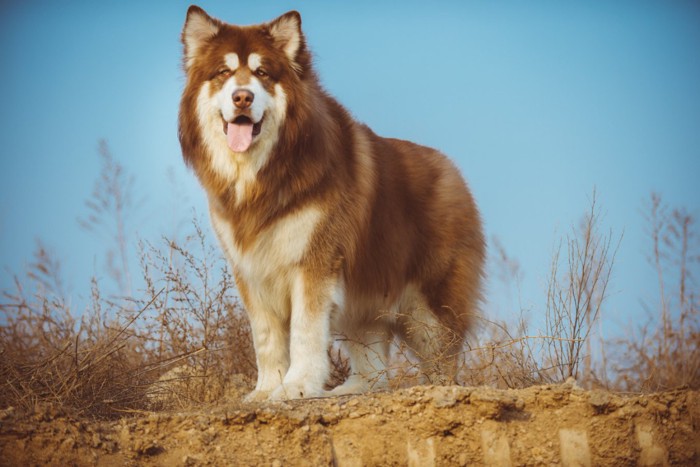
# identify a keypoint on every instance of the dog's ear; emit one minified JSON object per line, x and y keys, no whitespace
{"x":199,"y":28}
{"x":287,"y":36}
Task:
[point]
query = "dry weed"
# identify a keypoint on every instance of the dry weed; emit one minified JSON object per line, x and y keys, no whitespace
{"x":106,"y":360}
{"x":50,"y":355}
{"x":511,"y":355}
{"x":664,"y":352}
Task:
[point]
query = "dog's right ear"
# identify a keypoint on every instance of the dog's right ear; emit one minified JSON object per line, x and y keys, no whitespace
{"x":199,"y":28}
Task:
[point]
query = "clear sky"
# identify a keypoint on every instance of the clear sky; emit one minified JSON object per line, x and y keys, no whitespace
{"x":537,"y":102}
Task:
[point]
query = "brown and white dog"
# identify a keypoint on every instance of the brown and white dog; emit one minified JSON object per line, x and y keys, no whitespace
{"x":329,"y":228}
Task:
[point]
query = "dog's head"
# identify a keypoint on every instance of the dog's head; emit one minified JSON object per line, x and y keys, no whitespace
{"x":238,"y":85}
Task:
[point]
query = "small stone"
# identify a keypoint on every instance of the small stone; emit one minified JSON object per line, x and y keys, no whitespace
{"x":189,"y":461}
{"x":68,"y":443}
{"x":6,"y":413}
{"x":443,"y":397}
{"x":600,"y":401}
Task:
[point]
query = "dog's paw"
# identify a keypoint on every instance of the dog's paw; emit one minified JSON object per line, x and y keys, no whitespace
{"x":357,"y":384}
{"x":350,"y":387}
{"x":257,"y":396}
{"x":293,"y":390}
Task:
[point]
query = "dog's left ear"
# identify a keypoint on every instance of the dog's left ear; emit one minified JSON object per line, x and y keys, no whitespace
{"x":287,"y":35}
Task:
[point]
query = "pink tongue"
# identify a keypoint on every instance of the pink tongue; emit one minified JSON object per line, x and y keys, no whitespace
{"x":239,"y":136}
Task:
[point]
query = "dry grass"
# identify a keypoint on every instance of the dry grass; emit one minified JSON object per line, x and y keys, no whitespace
{"x":575,"y":298}
{"x":661,"y":353}
{"x":197,"y":324}
{"x":108,"y":216}
{"x":50,"y":355}
{"x":173,"y":343}
{"x":664,"y":352}
{"x":182,"y":338}
{"x":510,"y":354}
{"x":107,"y":360}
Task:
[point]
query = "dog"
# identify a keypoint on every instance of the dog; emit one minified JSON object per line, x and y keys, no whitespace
{"x":329,"y":229}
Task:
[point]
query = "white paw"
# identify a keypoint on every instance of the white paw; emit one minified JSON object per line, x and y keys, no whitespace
{"x":295,"y":390}
{"x":357,"y":384}
{"x":349,"y":387}
{"x":257,"y":396}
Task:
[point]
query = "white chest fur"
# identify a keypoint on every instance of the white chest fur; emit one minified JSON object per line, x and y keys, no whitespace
{"x":268,"y":262}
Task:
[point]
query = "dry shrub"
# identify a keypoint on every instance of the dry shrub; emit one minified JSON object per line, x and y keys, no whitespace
{"x":112,"y":358}
{"x":504,"y":357}
{"x":51,"y":356}
{"x":340,"y":367}
{"x":660,"y":354}
{"x":109,"y":211}
{"x":184,"y":319}
{"x":197,"y":326}
{"x":575,"y":298}
{"x":515,"y":357}
{"x":664,"y":352}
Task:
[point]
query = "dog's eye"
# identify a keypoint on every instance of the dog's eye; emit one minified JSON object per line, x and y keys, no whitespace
{"x":224,"y":73}
{"x":261,"y":73}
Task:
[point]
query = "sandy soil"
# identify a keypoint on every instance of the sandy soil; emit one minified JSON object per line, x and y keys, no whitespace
{"x":544,"y":425}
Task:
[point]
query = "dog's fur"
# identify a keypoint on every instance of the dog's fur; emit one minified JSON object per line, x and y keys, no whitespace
{"x":329,"y":228}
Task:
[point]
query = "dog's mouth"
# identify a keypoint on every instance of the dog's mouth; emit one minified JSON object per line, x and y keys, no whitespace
{"x":241,"y":131}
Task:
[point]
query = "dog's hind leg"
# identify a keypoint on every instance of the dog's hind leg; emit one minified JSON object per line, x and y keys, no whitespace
{"x":368,"y":350}
{"x":436,"y":345}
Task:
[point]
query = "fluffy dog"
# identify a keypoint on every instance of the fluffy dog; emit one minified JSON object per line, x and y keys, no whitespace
{"x":329,"y":228}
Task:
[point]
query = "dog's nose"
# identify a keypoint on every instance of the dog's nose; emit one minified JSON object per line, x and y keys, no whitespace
{"x":242,"y":98}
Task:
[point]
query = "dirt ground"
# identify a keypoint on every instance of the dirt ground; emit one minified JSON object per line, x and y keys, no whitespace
{"x":424,"y":425}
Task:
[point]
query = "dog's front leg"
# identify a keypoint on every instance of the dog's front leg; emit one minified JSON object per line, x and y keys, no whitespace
{"x":312,"y":301}
{"x":271,"y":341}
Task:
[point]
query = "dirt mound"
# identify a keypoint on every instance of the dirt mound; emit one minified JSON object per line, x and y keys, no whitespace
{"x":424,"y":425}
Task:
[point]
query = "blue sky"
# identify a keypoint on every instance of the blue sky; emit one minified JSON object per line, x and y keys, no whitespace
{"x":537,"y":102}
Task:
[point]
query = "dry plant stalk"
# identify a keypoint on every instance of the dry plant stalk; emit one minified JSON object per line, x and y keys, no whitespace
{"x":108,"y":359}
{"x":109,"y":208}
{"x":508,"y":357}
{"x":198,"y":317}
{"x":187,"y":325}
{"x":575,"y":298}
{"x":664,"y":353}
{"x":50,"y":356}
